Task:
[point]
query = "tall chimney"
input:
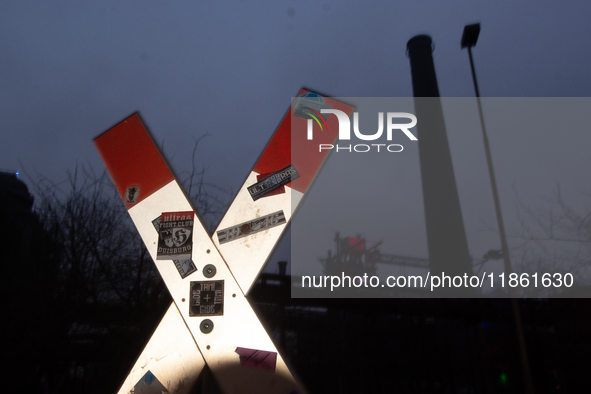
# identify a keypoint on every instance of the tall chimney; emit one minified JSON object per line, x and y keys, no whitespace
{"x":446,"y":237}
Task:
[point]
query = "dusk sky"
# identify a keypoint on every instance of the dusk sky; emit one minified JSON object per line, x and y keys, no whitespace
{"x":71,"y":70}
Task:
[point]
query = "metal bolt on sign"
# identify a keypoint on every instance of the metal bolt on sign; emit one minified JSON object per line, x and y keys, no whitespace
{"x":209,"y":271}
{"x":206,"y":326}
{"x":210,"y":321}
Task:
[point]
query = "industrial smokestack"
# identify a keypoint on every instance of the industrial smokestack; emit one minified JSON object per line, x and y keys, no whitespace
{"x":446,"y":237}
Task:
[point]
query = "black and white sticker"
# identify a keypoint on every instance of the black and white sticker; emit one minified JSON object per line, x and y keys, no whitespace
{"x":254,"y":226}
{"x":207,"y":298}
{"x":184,"y":267}
{"x":273,"y":181}
{"x":131,"y":194}
{"x":175,"y":239}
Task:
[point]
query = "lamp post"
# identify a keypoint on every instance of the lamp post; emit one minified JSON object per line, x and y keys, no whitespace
{"x":469,"y":39}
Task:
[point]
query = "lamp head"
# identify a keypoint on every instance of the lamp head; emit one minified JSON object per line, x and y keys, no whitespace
{"x":470,"y":35}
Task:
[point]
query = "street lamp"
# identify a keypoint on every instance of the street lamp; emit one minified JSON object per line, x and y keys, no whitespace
{"x":469,"y":39}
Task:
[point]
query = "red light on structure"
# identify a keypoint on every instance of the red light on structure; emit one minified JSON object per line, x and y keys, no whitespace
{"x":356,"y":243}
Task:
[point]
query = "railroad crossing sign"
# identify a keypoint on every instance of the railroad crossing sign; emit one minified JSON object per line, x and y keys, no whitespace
{"x":210,"y":321}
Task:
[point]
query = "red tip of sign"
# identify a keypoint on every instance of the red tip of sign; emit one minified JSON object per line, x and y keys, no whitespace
{"x":291,"y":136}
{"x":132,"y":160}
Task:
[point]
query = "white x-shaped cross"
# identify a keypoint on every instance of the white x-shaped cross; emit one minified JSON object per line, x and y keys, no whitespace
{"x":210,"y":320}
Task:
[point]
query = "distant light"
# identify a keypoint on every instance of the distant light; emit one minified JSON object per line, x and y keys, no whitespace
{"x":503,"y":378}
{"x":16,"y":173}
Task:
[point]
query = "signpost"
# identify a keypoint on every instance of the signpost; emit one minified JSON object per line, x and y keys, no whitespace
{"x":210,"y":321}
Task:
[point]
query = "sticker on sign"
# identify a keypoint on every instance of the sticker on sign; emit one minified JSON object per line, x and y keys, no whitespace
{"x":184,"y":267}
{"x":207,"y":298}
{"x":273,"y":181}
{"x":254,"y":226}
{"x":174,"y":235}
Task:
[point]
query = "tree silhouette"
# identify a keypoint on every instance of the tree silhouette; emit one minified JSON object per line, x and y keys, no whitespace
{"x":555,"y":238}
{"x":84,"y":295}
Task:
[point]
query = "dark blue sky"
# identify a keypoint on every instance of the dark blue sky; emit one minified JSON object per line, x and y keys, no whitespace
{"x":70,"y":70}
